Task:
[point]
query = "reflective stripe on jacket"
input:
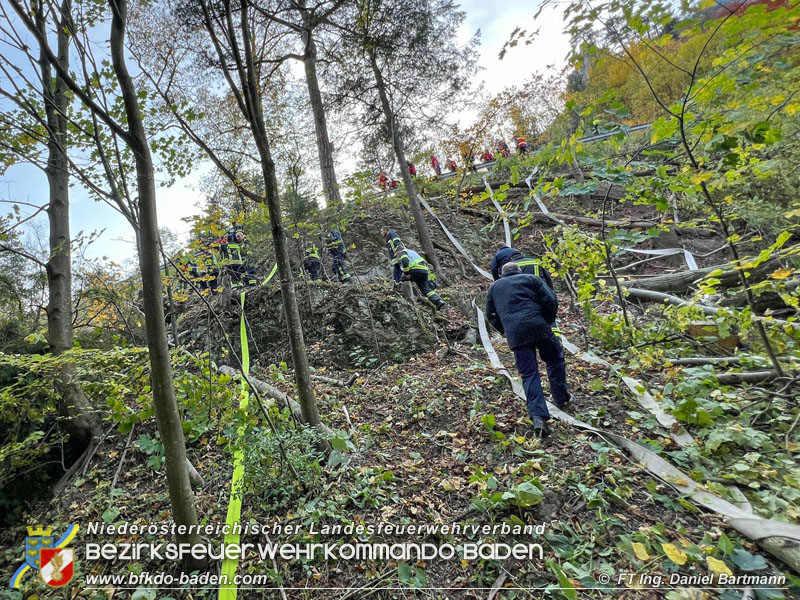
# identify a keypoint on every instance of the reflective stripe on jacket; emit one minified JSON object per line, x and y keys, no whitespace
{"x":411,"y":261}
{"x":537,"y":267}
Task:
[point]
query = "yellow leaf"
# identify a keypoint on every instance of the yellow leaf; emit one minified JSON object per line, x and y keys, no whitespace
{"x":701,"y":177}
{"x":681,"y":481}
{"x":674,"y":554}
{"x":456,"y":483}
{"x":639,"y":551}
{"x":792,"y":108}
{"x":781,"y":273}
{"x":718,"y":566}
{"x":464,"y":563}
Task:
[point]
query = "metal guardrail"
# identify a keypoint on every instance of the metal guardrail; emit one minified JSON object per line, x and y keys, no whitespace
{"x":591,"y":138}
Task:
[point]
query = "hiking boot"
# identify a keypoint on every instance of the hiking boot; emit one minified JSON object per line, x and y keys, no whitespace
{"x":540,"y":429}
{"x":439,"y":305}
{"x":563,"y":405}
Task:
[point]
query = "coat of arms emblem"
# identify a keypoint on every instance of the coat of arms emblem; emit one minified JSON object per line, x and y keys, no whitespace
{"x":57,"y":566}
{"x":38,"y":538}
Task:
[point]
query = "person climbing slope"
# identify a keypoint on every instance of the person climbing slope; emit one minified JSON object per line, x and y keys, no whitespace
{"x":383,"y":181}
{"x":522,"y":145}
{"x":436,"y":166}
{"x":503,"y":149}
{"x":523,"y":308}
{"x":393,"y":246}
{"x":506,"y":254}
{"x":311,"y":262}
{"x":414,"y":268}
{"x":241,"y":258}
{"x":338,"y":252}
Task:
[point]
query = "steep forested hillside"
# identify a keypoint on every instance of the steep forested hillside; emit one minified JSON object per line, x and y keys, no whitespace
{"x":278,"y":372}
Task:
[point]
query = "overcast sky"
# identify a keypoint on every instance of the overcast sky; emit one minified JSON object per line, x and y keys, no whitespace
{"x":496,"y":20}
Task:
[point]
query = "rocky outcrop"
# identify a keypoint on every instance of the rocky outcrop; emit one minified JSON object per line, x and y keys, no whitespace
{"x":346,"y":324}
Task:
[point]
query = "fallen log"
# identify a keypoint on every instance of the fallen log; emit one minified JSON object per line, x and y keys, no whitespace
{"x":618,"y":190}
{"x":709,"y":310}
{"x":540,"y":217}
{"x":337,"y":382}
{"x":588,"y":221}
{"x":478,"y":213}
{"x":262,"y":387}
{"x":698,"y":361}
{"x":746,"y":377}
{"x":683,"y":280}
{"x":762,"y":302}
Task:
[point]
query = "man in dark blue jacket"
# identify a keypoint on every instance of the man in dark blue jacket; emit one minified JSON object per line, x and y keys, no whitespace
{"x":338,"y":251}
{"x":505,"y":255}
{"x":523,"y":307}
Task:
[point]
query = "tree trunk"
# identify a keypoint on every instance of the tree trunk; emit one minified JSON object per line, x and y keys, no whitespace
{"x":709,"y":310}
{"x":416,"y":209}
{"x":250,"y":83}
{"x":746,"y":377}
{"x":324,"y":147}
{"x":677,"y":283}
{"x":166,"y":407}
{"x":764,"y":301}
{"x":694,"y":361}
{"x":82,"y":423}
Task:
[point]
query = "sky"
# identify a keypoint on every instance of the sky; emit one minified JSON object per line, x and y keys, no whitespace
{"x":496,"y":20}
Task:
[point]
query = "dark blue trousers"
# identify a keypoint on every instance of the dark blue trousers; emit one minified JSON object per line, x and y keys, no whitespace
{"x":340,"y":268}
{"x":552,"y":354}
{"x":311,"y":265}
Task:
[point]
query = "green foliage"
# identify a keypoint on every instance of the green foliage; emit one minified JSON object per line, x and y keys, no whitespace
{"x":266,"y":473}
{"x":117,"y":383}
{"x":523,"y":494}
{"x":153,"y":448}
{"x":411,"y":575}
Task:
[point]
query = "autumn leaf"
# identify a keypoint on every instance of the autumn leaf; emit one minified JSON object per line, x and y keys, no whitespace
{"x":674,"y":554}
{"x":639,"y":551}
{"x":781,"y":273}
{"x":453,"y":484}
{"x":718,"y":566}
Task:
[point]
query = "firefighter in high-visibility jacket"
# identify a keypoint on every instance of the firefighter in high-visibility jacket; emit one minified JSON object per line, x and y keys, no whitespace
{"x":415,"y":269}
{"x":204,"y":268}
{"x":338,"y":252}
{"x":311,"y":262}
{"x":238,"y":254}
{"x":506,"y":254}
{"x":393,"y":245}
